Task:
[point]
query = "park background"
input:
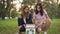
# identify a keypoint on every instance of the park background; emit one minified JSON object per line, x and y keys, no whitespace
{"x":11,"y":9}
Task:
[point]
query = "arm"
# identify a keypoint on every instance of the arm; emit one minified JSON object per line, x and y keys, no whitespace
{"x":19,"y":22}
{"x":48,"y":18}
{"x":34,"y":19}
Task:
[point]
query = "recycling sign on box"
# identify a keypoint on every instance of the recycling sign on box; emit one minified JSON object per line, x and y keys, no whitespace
{"x":30,"y":29}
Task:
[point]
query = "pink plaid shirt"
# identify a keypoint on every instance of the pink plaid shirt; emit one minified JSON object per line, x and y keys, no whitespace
{"x":39,"y":17}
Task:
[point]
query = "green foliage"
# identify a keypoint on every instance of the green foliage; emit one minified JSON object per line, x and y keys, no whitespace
{"x":14,"y":13}
{"x":53,"y":8}
{"x":28,"y":2}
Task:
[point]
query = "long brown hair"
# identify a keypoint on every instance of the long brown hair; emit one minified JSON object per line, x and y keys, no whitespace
{"x":25,"y":14}
{"x":41,"y":11}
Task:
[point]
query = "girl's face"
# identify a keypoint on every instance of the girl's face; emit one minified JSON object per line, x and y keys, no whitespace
{"x":26,"y":10}
{"x":38,"y":8}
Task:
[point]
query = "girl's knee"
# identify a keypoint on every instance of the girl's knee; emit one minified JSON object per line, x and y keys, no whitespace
{"x":38,"y":29}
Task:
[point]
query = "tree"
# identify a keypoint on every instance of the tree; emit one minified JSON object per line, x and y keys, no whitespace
{"x":28,"y":2}
{"x":8,"y":8}
{"x":5,"y":6}
{"x":2,"y":9}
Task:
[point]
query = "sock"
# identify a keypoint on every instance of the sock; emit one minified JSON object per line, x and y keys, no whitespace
{"x":45,"y":32}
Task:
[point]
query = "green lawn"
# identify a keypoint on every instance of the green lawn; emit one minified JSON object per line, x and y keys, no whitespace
{"x":55,"y":27}
{"x":10,"y":26}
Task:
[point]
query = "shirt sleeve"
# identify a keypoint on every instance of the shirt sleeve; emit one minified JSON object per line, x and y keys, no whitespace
{"x":31,"y":16}
{"x":20,"y":21}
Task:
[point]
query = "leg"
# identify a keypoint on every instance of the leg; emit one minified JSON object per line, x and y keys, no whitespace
{"x":38,"y":29}
{"x":47,"y":25}
{"x":19,"y":32}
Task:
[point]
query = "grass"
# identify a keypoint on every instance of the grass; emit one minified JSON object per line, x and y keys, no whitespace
{"x":10,"y":26}
{"x":55,"y":27}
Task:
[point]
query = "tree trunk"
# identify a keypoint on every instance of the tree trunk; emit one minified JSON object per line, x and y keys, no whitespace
{"x":3,"y":10}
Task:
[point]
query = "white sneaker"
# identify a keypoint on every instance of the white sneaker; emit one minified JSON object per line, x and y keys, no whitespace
{"x":45,"y":32}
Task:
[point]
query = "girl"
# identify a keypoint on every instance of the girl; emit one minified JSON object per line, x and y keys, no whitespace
{"x":40,"y":16}
{"x":24,"y":18}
